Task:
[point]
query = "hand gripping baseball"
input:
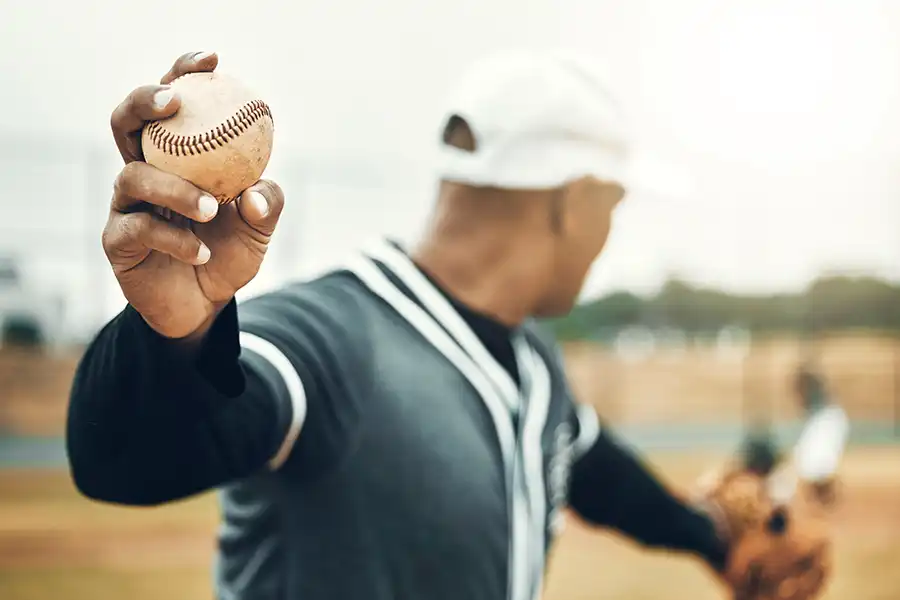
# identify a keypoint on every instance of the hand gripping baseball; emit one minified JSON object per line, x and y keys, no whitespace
{"x":779,"y":547}
{"x":178,"y":255}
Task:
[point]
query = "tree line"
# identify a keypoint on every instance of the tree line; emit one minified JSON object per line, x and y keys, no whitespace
{"x":828,"y":304}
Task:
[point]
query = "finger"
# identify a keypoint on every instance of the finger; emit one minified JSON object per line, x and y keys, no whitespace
{"x":136,"y":234}
{"x":140,"y":183}
{"x":146,"y":103}
{"x":192,"y":62}
{"x":260,"y":206}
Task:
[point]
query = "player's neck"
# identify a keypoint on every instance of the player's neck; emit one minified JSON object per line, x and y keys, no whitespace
{"x":490,"y":276}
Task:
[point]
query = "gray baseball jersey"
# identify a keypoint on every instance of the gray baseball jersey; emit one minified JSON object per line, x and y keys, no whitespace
{"x":425,"y":472}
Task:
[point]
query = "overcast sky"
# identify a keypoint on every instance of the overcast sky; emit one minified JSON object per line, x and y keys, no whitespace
{"x":770,"y":128}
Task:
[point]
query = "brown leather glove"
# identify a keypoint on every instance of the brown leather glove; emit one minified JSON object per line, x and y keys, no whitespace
{"x":778,"y":550}
{"x":824,"y":492}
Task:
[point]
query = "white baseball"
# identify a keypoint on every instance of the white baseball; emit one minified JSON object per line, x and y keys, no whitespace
{"x":220,"y":139}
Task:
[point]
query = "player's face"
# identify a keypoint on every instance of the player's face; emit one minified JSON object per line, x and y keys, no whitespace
{"x":585,"y":223}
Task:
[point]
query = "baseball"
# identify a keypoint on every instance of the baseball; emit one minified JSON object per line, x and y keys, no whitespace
{"x":220,"y":139}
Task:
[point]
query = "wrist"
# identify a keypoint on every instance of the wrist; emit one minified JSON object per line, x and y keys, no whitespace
{"x":717,"y":517}
{"x":716,"y":553}
{"x":211,"y":350}
{"x":194,"y":340}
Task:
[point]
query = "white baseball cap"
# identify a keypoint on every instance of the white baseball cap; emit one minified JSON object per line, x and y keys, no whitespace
{"x":540,"y":120}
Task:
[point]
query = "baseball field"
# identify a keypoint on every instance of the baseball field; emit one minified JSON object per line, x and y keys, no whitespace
{"x":55,"y":544}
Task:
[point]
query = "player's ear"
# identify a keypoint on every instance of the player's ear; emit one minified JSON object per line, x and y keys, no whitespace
{"x":578,"y":203}
{"x":567,"y":204}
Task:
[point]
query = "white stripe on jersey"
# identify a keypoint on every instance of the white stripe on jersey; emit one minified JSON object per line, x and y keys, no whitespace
{"x":588,"y":428}
{"x":536,"y":379}
{"x":275,"y":357}
{"x":438,"y":305}
{"x":526,"y":493}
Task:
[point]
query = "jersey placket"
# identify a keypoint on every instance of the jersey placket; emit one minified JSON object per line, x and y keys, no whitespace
{"x":526,"y":499}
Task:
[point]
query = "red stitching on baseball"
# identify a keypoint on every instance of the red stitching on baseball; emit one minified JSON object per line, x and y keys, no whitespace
{"x":183,"y":145}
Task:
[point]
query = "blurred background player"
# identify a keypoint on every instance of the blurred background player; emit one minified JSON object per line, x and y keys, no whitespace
{"x":819,"y":448}
{"x":818,"y":452}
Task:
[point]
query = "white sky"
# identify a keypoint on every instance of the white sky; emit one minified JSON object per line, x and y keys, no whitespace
{"x":783,"y":115}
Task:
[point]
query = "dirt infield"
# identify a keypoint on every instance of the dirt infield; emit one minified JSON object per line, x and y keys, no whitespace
{"x":691,"y":386}
{"x":34,"y":391}
{"x":55,"y":544}
{"x":702,"y":385}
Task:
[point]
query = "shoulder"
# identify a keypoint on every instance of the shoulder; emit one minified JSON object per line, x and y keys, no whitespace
{"x":332,"y":302}
{"x":311,"y":338}
{"x":333,"y":293}
{"x":320,"y":326}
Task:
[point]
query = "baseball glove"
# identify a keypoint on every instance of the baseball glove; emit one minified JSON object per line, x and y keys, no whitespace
{"x":779,"y":544}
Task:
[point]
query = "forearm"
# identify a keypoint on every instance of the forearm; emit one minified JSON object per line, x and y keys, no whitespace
{"x":149,"y":422}
{"x":610,"y":487}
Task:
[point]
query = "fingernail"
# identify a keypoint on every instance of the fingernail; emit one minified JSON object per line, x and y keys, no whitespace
{"x":203,"y":254}
{"x":259,"y":203}
{"x":162,"y":98}
{"x":207,"y":206}
{"x":202,"y":55}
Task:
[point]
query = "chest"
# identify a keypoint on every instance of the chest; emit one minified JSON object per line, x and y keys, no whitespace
{"x":476,"y":448}
{"x":462,"y":459}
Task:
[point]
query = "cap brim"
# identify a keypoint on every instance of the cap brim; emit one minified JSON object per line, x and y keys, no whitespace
{"x":551,"y":164}
{"x":532,"y":165}
{"x":653,"y":178}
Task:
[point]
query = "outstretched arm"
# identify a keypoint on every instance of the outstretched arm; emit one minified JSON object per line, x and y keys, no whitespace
{"x":611,"y":487}
{"x":149,"y":423}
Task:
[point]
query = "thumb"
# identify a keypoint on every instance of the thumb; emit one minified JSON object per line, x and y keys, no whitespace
{"x":260,"y":206}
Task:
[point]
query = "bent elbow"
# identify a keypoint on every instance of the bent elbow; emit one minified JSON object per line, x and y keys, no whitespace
{"x":90,"y":485}
{"x":107,"y":491}
{"x":101,"y":481}
{"x":95,"y":484}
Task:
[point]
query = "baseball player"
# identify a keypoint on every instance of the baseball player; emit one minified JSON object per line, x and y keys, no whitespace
{"x":398,"y":428}
{"x":820,"y":448}
{"x":823,"y":437}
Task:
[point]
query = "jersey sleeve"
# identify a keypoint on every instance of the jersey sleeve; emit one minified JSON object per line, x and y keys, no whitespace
{"x":148,"y":423}
{"x":587,"y":427}
{"x":612,"y":487}
{"x":311,"y":340}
